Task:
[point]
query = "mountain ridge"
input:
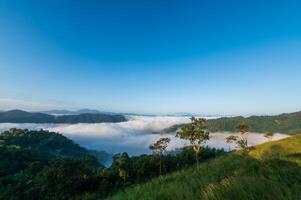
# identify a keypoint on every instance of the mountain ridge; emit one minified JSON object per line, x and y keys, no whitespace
{"x":75,"y":112}
{"x":20,"y":116}
{"x":288,"y":123}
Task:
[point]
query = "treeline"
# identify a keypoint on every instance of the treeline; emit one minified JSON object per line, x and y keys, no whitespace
{"x":34,"y":165}
{"x":19,"y":116}
{"x":285,"y":123}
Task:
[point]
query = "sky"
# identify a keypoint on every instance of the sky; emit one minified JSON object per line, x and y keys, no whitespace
{"x":210,"y":57}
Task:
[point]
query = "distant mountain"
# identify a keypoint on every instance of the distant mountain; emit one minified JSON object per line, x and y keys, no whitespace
{"x":184,"y":114}
{"x":77,"y":112}
{"x":289,"y":123}
{"x":19,"y":116}
{"x":58,"y":112}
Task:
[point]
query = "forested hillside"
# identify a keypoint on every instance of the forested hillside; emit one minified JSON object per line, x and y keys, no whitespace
{"x":46,"y":165}
{"x":19,"y":116}
{"x":285,"y":123}
{"x":40,"y":146}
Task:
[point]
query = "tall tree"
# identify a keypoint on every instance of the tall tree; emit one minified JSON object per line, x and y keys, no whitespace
{"x":158,"y":148}
{"x":196,"y":133}
{"x":231,"y":139}
{"x":122,"y":162}
{"x":243,"y":129}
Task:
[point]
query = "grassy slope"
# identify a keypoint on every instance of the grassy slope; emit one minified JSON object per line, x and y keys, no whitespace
{"x":270,"y":171}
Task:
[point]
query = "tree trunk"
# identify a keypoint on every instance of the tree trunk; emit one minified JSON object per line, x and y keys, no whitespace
{"x":197,"y":160}
{"x":197,"y":150}
{"x":160,"y":165}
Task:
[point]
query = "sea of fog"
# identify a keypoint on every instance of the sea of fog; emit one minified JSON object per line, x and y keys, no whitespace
{"x":133,"y":136}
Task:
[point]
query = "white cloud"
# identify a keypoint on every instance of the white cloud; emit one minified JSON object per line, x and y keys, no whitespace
{"x":133,"y":136}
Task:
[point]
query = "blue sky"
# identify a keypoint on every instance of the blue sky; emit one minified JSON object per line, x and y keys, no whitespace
{"x":208,"y":57}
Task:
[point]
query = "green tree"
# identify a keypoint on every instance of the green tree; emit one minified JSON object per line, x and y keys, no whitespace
{"x":231,"y":139}
{"x":158,"y":148}
{"x":269,"y":135}
{"x":122,"y":162}
{"x":196,"y":133}
{"x":243,"y":129}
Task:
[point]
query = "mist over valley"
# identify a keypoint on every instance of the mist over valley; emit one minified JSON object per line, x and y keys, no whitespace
{"x":132,"y":136}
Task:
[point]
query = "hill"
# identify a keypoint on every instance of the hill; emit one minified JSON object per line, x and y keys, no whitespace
{"x":289,"y":123}
{"x":269,"y":171}
{"x":46,"y":165}
{"x":69,"y":112}
{"x":19,"y":116}
{"x":34,"y":145}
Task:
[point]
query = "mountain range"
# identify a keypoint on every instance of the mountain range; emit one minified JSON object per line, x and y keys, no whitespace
{"x":288,"y":123}
{"x":76,"y":112}
{"x":20,"y":116}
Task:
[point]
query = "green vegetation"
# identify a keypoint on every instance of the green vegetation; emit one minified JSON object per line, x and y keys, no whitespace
{"x":269,"y":135}
{"x":158,"y":148}
{"x":268,"y":171}
{"x":284,"y":123}
{"x":242,"y":140}
{"x":46,"y":165}
{"x":196,"y":133}
{"x":231,"y":139}
{"x":20,"y":148}
{"x":45,"y":143}
{"x":19,"y":116}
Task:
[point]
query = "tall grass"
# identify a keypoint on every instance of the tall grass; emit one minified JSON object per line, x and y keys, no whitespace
{"x":270,"y":171}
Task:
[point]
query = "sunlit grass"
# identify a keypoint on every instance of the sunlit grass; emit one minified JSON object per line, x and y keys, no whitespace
{"x":270,"y":171}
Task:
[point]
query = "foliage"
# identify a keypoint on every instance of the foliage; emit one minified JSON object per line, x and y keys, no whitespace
{"x":284,"y":123}
{"x":269,"y":171}
{"x":231,"y":139}
{"x":158,"y":148}
{"x":43,"y":170}
{"x":269,"y":135}
{"x":45,"y":142}
{"x":122,"y":162}
{"x":14,"y":159}
{"x":63,"y":179}
{"x":196,"y":133}
{"x":243,"y":128}
{"x":242,"y":141}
